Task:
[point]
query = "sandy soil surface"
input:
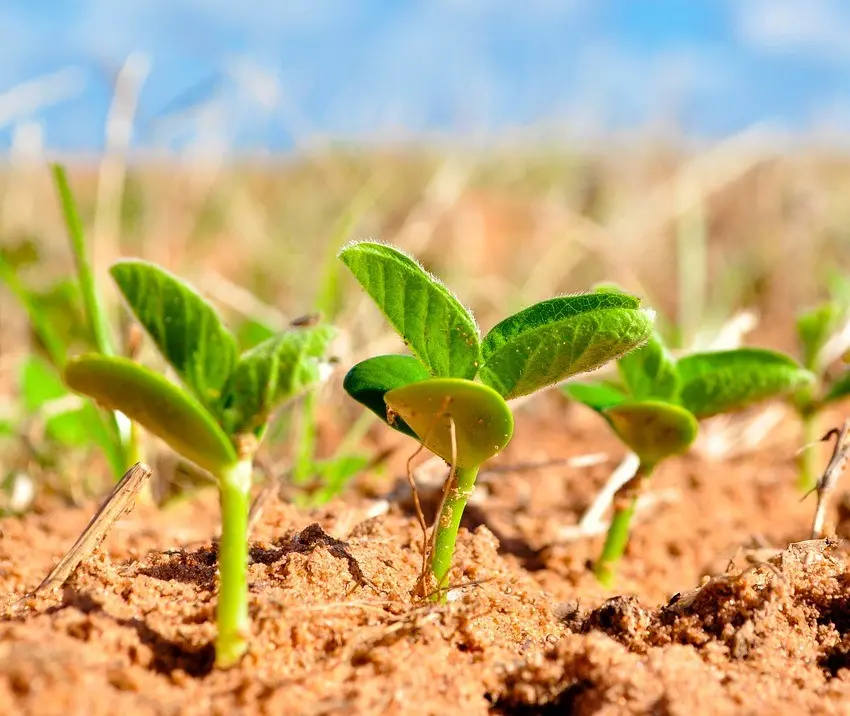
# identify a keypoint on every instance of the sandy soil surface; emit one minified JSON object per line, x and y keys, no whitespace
{"x":527,"y":631}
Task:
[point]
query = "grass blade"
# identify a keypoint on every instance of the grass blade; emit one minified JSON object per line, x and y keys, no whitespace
{"x":95,"y":312}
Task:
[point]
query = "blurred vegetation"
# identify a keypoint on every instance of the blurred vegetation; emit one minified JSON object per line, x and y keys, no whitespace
{"x":698,"y":236}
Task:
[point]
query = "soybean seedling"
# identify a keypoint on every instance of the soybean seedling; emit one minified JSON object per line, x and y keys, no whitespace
{"x":655,"y":409}
{"x":823,"y":335}
{"x":219,"y":417}
{"x":433,"y":396}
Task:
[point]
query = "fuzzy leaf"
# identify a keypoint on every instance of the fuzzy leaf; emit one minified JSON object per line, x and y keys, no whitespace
{"x":814,"y":329}
{"x":650,"y":372}
{"x":483,"y":421}
{"x":184,"y":326}
{"x":652,"y":429}
{"x":273,"y":372}
{"x":368,"y":382}
{"x":552,"y":340}
{"x":598,"y":396}
{"x":433,"y":323}
{"x":723,"y":381}
{"x":158,"y":405}
{"x":839,"y":389}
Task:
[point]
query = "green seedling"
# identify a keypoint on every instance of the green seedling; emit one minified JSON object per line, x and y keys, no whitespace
{"x":219,"y":417}
{"x":451,"y":394}
{"x":822,"y":335}
{"x":655,"y":407}
{"x":67,"y":315}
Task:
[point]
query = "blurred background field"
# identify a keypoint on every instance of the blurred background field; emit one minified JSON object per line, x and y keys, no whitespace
{"x":694,"y":152}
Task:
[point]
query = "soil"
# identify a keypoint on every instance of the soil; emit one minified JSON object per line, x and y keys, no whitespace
{"x":722,"y":606}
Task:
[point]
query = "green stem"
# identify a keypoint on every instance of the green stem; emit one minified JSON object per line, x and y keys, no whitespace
{"x":447,"y":526}
{"x":617,"y":538}
{"x":305,"y":445}
{"x":91,"y":299}
{"x":808,"y":459}
{"x":232,"y":612}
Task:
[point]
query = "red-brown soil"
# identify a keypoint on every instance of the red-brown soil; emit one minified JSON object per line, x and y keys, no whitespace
{"x":337,"y":631}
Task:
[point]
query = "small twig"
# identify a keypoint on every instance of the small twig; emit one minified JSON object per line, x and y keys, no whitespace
{"x":120,"y":501}
{"x":457,"y":586}
{"x":420,"y":515}
{"x":377,"y":606}
{"x":642,"y":509}
{"x":621,"y":475}
{"x":828,"y":481}
{"x":269,"y":490}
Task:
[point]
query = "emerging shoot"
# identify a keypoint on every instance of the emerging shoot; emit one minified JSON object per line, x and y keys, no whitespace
{"x":433,"y":396}
{"x":823,"y":335}
{"x":217,"y":419}
{"x":655,"y":409}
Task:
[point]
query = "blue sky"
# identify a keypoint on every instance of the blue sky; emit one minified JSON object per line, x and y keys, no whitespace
{"x":265,"y":75}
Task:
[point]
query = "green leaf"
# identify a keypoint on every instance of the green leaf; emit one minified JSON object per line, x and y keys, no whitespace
{"x":23,"y":254}
{"x":433,"y":323}
{"x":652,"y":429}
{"x":598,"y":396}
{"x":156,"y":404}
{"x":71,"y":428}
{"x":38,"y":318}
{"x":552,"y":340}
{"x":650,"y":372}
{"x":483,"y":421}
{"x":273,"y":372}
{"x":40,"y":384}
{"x":839,"y":389}
{"x":368,"y":382}
{"x":62,"y":305}
{"x":334,"y":474}
{"x":251,"y":333}
{"x":88,"y":427}
{"x":185,"y":328}
{"x":814,"y":329}
{"x":723,"y":381}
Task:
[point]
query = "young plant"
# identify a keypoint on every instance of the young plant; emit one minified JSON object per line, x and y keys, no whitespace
{"x":218,"y":420}
{"x":823,"y":335}
{"x":655,"y":408}
{"x":68,"y":314}
{"x":433,"y":395}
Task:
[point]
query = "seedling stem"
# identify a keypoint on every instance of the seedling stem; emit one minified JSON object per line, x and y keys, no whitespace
{"x":232,"y":617}
{"x":808,"y":460}
{"x":448,"y":524}
{"x":625,"y":500}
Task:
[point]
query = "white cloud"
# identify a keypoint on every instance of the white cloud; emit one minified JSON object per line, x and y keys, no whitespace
{"x":815,"y":27}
